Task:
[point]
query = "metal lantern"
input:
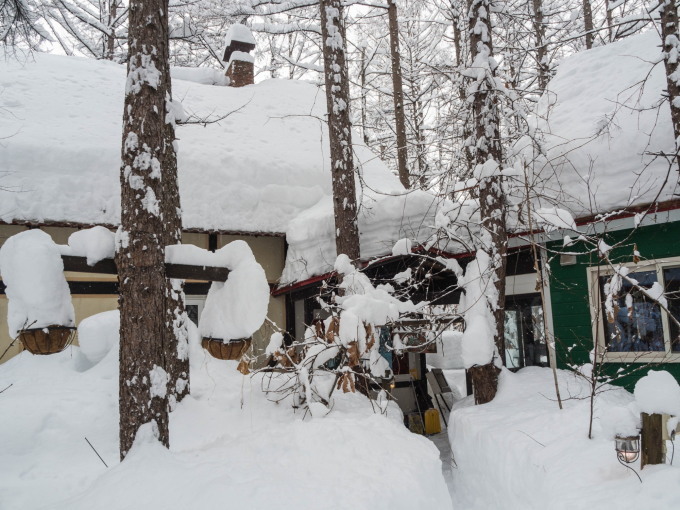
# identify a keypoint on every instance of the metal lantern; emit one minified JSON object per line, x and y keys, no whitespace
{"x":627,"y":448}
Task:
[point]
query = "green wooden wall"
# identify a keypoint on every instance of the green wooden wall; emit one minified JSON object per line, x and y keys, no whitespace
{"x":569,"y":296}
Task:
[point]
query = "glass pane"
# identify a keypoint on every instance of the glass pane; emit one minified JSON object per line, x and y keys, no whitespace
{"x":540,"y":356}
{"x":512,"y":339}
{"x":192,"y":312}
{"x":671,"y":278}
{"x":634,"y":328}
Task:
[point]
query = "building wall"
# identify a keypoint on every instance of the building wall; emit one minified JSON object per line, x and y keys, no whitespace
{"x":571,"y":305}
{"x":269,"y":252}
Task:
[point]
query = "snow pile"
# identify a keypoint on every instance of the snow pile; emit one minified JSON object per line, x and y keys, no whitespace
{"x":230,"y":447}
{"x":98,"y":335}
{"x":384,"y":219}
{"x":240,"y":33}
{"x":658,"y":392}
{"x":202,"y":75}
{"x":236,"y":308}
{"x":521,"y":451}
{"x":554,"y":218}
{"x":480,"y":292}
{"x":61,"y":157}
{"x":600,"y":124}
{"x":449,"y":353}
{"x":96,"y":243}
{"x":33,"y":272}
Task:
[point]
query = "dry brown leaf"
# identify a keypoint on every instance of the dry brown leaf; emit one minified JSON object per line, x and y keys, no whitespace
{"x":353,"y":353}
{"x":243,"y":367}
{"x":333,"y":329}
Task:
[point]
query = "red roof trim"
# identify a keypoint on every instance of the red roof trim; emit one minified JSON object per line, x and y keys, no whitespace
{"x":628,"y":213}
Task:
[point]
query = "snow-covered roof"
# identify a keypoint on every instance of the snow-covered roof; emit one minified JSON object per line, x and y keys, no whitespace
{"x":265,"y":167}
{"x":599,"y":125}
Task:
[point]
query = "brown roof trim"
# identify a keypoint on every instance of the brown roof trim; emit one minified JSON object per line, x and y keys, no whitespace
{"x":73,"y":224}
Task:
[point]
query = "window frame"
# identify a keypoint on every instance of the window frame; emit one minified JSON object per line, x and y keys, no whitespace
{"x":597,"y":313}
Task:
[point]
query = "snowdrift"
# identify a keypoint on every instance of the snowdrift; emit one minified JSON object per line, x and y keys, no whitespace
{"x":521,"y":452}
{"x":231,"y":447}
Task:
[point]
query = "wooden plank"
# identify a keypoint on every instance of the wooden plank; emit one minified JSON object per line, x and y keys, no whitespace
{"x":181,"y":271}
{"x":79,"y":264}
{"x":652,"y":440}
{"x":187,"y":272}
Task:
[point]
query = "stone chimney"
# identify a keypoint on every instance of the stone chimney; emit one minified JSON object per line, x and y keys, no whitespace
{"x":240,"y":63}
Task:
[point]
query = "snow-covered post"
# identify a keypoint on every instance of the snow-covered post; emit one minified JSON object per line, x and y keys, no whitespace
{"x":150,"y":309}
{"x":656,"y":394}
{"x":671,"y":54}
{"x":492,"y":243}
{"x":339,"y":128}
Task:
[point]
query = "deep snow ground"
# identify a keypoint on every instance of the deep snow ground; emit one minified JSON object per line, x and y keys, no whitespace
{"x":230,"y":446}
{"x":520,"y":452}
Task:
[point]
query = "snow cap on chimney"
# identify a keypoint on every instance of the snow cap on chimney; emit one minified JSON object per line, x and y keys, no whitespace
{"x":239,"y":43}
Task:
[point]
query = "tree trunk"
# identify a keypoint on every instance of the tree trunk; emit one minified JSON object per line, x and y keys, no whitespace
{"x":149,"y":220}
{"x":588,"y":23}
{"x":111,"y":38}
{"x":460,"y":60}
{"x":610,"y":21}
{"x":671,"y":46}
{"x":398,"y":95}
{"x":541,"y":49}
{"x":484,"y":382}
{"x":493,"y":238}
{"x":339,"y":129}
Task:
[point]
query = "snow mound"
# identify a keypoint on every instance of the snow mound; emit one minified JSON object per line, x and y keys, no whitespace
{"x":658,"y":392}
{"x":96,"y":243}
{"x":601,"y":124}
{"x":98,"y":335}
{"x":235,"y":309}
{"x":230,"y":446}
{"x":520,"y":451}
{"x":32,"y":269}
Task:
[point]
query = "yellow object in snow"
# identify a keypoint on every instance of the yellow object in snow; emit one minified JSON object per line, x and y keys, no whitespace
{"x":432,"y":423}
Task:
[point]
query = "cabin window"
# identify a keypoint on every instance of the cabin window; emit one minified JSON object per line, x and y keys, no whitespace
{"x":631,"y":326}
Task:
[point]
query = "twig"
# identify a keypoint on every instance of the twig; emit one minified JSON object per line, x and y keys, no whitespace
{"x":95,"y":451}
{"x":8,"y":387}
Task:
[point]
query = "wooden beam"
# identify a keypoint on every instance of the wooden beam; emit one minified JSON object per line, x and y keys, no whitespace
{"x":79,"y":264}
{"x":181,"y":271}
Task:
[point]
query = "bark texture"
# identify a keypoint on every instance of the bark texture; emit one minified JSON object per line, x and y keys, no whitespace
{"x":398,"y":95}
{"x":541,"y":48}
{"x":671,"y":47}
{"x":339,"y":129}
{"x":484,"y":382}
{"x":588,"y":23}
{"x":488,"y":155}
{"x":149,"y":221}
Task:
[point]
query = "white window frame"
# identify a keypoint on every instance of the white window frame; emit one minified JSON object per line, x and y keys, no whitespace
{"x":597,"y":319}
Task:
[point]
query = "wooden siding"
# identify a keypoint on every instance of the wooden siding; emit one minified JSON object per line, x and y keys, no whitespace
{"x":571,"y":306}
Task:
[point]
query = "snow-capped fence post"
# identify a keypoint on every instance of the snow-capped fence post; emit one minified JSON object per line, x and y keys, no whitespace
{"x":652,"y":447}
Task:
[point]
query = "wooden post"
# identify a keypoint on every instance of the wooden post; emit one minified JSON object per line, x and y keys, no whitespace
{"x":652,"y":444}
